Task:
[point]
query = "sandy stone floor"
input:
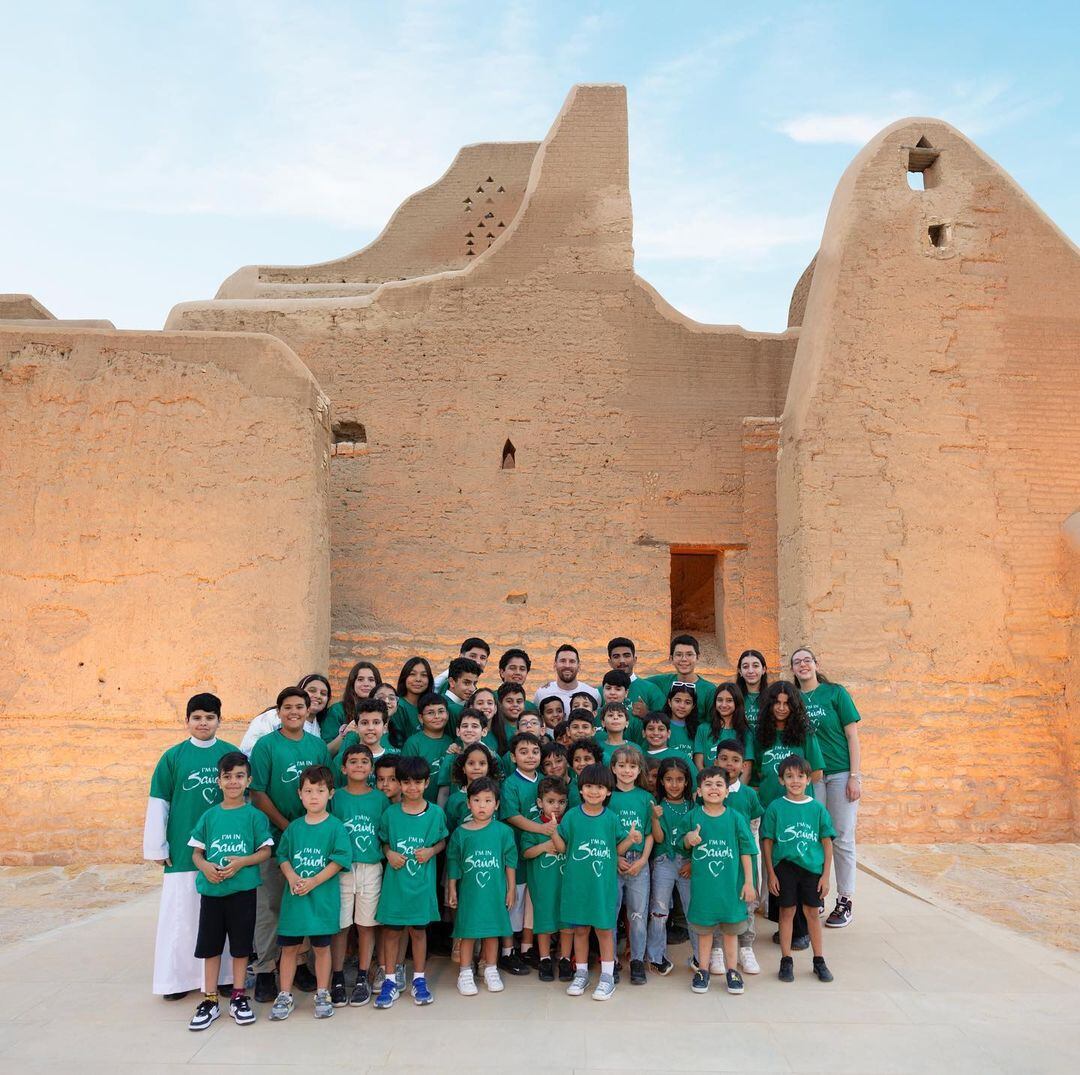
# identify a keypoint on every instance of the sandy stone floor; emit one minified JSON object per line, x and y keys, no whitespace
{"x":1031,"y":888}
{"x":34,"y":899}
{"x":919,"y":987}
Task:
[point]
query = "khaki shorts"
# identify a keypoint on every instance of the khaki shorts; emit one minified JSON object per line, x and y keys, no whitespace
{"x":360,"y":888}
{"x":732,"y":929}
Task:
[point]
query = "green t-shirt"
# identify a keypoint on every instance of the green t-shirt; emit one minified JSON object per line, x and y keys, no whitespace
{"x":276,"y":765}
{"x":797,"y":829}
{"x":518,"y":798}
{"x":608,"y":749}
{"x":745,"y":800}
{"x":340,"y":779}
{"x":630,"y":806}
{"x":456,"y":809}
{"x":186,"y":777}
{"x":706,"y":741}
{"x":455,"y":710}
{"x":643,"y":690}
{"x":309,"y":849}
{"x":716,"y":873}
{"x":830,"y":710}
{"x":573,"y":792}
{"x":704,"y":690}
{"x":670,"y":820}
{"x":750,"y":702}
{"x":433,"y":751}
{"x":408,"y":894}
{"x":633,"y":733}
{"x":589,"y":894}
{"x":543,"y":875}
{"x":404,"y":723}
{"x":331,"y":722}
{"x":478,"y":859}
{"x":768,"y":783}
{"x":227,"y":834}
{"x":680,"y":740}
{"x":360,"y":815}
{"x":671,"y":752}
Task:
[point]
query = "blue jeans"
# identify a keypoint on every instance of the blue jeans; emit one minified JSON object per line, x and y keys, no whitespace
{"x":634,"y":893}
{"x":665,"y":878}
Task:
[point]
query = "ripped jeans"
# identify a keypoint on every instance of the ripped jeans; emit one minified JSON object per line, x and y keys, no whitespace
{"x":634,"y":894}
{"x":665,"y":878}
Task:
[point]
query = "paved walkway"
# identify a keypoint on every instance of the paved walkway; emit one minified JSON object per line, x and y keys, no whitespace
{"x":918,"y":988}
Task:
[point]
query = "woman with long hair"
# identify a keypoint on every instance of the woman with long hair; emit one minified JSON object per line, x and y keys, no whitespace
{"x":727,"y":721}
{"x":414,"y":681}
{"x":835,"y":721}
{"x":318,"y":690}
{"x":752,"y":677}
{"x":681,"y":708}
{"x":363,"y":678}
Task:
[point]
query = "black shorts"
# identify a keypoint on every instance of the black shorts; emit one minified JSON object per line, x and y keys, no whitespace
{"x":798,"y":886}
{"x":316,"y":942}
{"x":226,"y":915}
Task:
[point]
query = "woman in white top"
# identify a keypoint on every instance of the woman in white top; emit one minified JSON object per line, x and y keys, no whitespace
{"x":318,"y":689}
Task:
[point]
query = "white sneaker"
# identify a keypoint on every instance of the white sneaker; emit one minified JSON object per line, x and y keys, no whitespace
{"x":492,"y":980}
{"x":605,"y":988}
{"x":716,"y":962}
{"x":748,"y":962}
{"x":577,"y":987}
{"x":466,"y":984}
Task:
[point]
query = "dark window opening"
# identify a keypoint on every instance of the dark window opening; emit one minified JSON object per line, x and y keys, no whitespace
{"x":940,"y":235}
{"x":922,"y":165}
{"x":693,"y":592}
{"x":349,"y":433}
{"x":509,"y":456}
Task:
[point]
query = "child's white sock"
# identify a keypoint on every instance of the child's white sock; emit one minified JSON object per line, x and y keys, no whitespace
{"x":582,"y":967}
{"x":507,"y":951}
{"x":417,"y":975}
{"x":607,"y":966}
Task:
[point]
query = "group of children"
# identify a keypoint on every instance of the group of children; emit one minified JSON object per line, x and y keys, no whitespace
{"x":530,"y":829}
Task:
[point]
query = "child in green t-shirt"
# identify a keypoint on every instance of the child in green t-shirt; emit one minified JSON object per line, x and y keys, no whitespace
{"x":471,"y":728}
{"x":731,"y":757}
{"x":386,"y":779}
{"x":412,"y":833}
{"x":229,"y":842}
{"x":359,"y":807}
{"x":543,"y":868}
{"x":727,"y":720}
{"x":580,"y":725}
{"x":432,"y":741}
{"x":553,"y":760}
{"x":481,"y":865}
{"x":592,"y":840}
{"x":615,"y":690}
{"x":796,"y":843}
{"x":613,"y":734}
{"x":657,"y":735}
{"x":552,"y":711}
{"x":681,"y":709}
{"x":670,"y":866}
{"x":721,"y":877}
{"x":633,"y":802}
{"x":474,"y":762}
{"x":582,"y":753}
{"x":367,"y":727}
{"x":310,"y":852}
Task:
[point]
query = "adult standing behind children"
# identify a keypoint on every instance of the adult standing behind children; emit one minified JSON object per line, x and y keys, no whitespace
{"x":685,"y":651}
{"x":184,"y":786}
{"x":566,"y":683}
{"x":643,"y":696}
{"x":835,"y":721}
{"x":476,"y":649}
{"x":276,"y":764}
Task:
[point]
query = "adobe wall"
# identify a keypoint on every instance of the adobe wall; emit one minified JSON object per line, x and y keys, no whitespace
{"x":440,"y":227}
{"x":164,"y":509}
{"x":627,"y":419}
{"x":929,"y":456}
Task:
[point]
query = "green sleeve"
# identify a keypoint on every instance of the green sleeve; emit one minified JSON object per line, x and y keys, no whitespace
{"x":326,"y":759}
{"x":382,"y":830}
{"x":756,"y":809}
{"x":508,"y":802}
{"x":510,"y":852}
{"x":845,"y":707}
{"x":768,"y":824}
{"x":453,"y":856}
{"x":750,"y":753}
{"x":825,"y":826}
{"x":330,"y":725}
{"x":411,"y":749}
{"x":262,"y":828}
{"x":813,"y":752}
{"x":341,"y":852}
{"x":439,"y":829}
{"x":163,"y":780}
{"x":400,"y":727}
{"x":564,"y":829}
{"x":198,"y":833}
{"x":745,"y":837}
{"x":701,"y":742}
{"x":260,"y":764}
{"x":284,"y":845}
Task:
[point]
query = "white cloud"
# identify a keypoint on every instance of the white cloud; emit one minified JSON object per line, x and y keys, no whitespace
{"x":847,"y":129}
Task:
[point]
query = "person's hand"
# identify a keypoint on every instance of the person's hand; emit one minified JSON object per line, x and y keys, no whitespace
{"x":395,"y":859}
{"x":423,"y":854}
{"x":549,"y":828}
{"x":774,"y":884}
{"x":636,"y":867}
{"x":749,"y":893}
{"x":684,"y":870}
{"x":212,"y":873}
{"x":299,"y":887}
{"x":510,"y":897}
{"x":350,"y":727}
{"x":451,"y":897}
{"x":639,"y":708}
{"x":453,"y":748}
{"x":635,"y":834}
{"x":162,"y":862}
{"x":693,"y":837}
{"x":854,"y":789}
{"x":624,"y":865}
{"x":657,"y":810}
{"x":822,"y":885}
{"x":229,"y":868}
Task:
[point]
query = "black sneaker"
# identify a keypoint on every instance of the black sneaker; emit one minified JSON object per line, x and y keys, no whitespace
{"x":304,"y":980}
{"x":266,"y":987}
{"x":514,"y":964}
{"x":339,"y":998}
{"x":800,"y":944}
{"x":531,"y":957}
{"x":734,"y":982}
{"x":822,"y":971}
{"x":637,"y":972}
{"x":546,"y":970}
{"x":180,"y":996}
{"x":361,"y":993}
{"x":787,"y":969}
{"x":700,"y":981}
{"x":841,"y":914}
{"x":776,"y":937}
{"x":663,"y":968}
{"x":677,"y":934}
{"x":205,"y":1014}
{"x":618,"y":972}
{"x":240,"y":1010}
{"x":566,"y":970}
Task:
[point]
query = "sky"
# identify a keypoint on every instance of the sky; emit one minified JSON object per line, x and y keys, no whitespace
{"x":149,"y":150}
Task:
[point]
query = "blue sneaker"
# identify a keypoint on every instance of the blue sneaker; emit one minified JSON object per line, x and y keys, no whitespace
{"x":420,"y":992}
{"x":387,"y":995}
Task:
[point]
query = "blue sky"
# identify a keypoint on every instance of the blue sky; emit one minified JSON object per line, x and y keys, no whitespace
{"x":152,"y":149}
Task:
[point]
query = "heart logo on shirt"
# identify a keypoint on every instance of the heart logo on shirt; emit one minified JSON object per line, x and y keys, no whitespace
{"x":413,"y":866}
{"x":597,"y":867}
{"x":716,"y":868}
{"x":210,"y":795}
{"x":482,"y":877}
